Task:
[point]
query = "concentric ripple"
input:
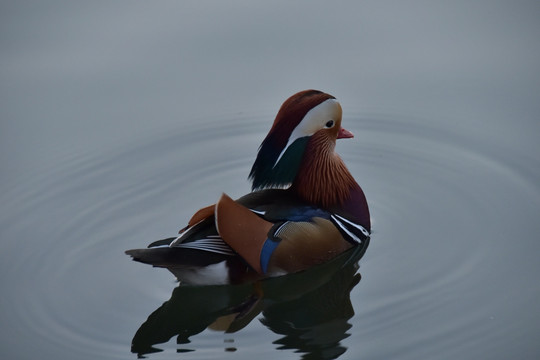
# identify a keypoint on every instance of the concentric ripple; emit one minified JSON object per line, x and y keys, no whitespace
{"x":447,"y":210}
{"x":71,"y":282}
{"x":452,"y":218}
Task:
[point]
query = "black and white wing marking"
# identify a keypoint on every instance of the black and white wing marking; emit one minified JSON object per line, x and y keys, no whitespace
{"x":354,"y":233}
{"x":202,"y":236}
{"x":210,"y":243}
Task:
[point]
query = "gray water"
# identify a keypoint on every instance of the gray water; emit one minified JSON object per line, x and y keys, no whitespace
{"x":119,"y":119}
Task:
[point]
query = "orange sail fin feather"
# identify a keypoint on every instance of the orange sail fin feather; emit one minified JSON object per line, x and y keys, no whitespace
{"x":306,"y":207}
{"x":242,"y":230}
{"x":201,"y":214}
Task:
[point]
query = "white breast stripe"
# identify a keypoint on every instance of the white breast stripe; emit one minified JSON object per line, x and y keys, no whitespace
{"x":344,"y":228}
{"x":359,"y":227}
{"x":260,"y":212}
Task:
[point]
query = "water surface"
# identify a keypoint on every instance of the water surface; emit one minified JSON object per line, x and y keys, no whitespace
{"x":119,"y":120}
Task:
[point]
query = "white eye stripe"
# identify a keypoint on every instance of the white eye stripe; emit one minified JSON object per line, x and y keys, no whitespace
{"x":314,"y":120}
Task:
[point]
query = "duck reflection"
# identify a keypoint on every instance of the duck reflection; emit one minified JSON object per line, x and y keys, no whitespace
{"x":310,"y":309}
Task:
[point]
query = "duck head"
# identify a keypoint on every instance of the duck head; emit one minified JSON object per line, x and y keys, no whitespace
{"x":298,"y":151}
{"x":299,"y":118}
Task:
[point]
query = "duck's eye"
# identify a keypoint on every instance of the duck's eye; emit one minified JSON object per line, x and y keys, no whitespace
{"x":329,"y":124}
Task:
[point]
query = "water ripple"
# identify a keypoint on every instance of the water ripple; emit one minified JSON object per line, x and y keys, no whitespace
{"x":442,"y":205}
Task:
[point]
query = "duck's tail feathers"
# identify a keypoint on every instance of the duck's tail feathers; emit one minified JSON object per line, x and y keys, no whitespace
{"x":168,"y":257}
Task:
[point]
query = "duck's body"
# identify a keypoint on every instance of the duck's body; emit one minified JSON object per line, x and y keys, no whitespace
{"x":305,"y":209}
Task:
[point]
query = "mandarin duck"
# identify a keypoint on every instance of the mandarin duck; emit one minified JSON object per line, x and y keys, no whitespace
{"x":305,"y":207}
